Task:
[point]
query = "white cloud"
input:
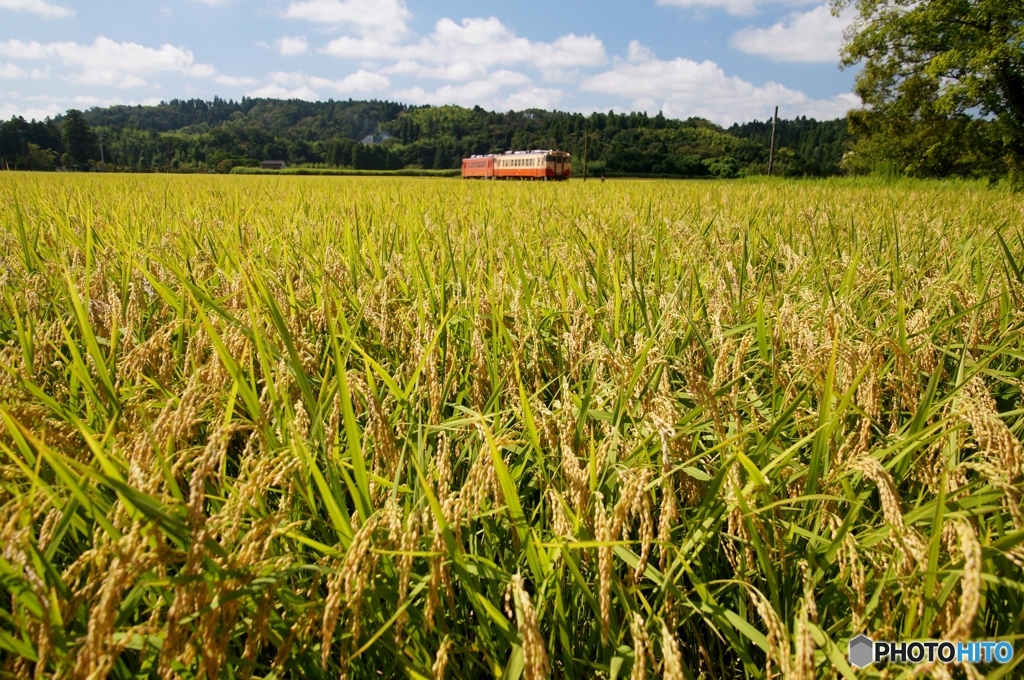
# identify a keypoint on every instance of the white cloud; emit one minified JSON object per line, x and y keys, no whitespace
{"x":360,"y":81}
{"x":736,"y":7}
{"x":279,"y":92}
{"x":12,"y":72}
{"x":298,"y":85}
{"x":814,"y":36}
{"x":40,"y":7}
{"x":9,"y":109}
{"x":682,"y":88}
{"x":384,"y":19}
{"x":489,"y":92}
{"x":38,"y":107}
{"x":234,"y":81}
{"x":466,"y":50}
{"x":292,"y":46}
{"x":531,"y":98}
{"x":110,"y":63}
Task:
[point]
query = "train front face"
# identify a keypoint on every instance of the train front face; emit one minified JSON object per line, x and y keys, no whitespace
{"x":558,"y":166}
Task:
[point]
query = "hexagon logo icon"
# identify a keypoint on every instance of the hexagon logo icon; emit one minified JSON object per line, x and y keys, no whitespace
{"x":862,"y":651}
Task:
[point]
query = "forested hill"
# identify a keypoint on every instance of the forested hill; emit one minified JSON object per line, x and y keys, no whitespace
{"x":196,"y":135}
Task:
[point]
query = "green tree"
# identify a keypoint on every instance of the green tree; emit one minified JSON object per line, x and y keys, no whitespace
{"x":930,"y":68}
{"x":78,"y":138}
{"x":36,"y":158}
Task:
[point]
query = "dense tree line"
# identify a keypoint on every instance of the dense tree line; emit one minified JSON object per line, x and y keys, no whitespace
{"x":943,"y":86}
{"x":806,"y":146}
{"x":216,"y":136}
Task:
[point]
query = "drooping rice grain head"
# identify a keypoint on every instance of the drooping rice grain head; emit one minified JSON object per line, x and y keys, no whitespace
{"x":535,"y":655}
{"x":441,"y":659}
{"x":995,"y":440}
{"x":970,"y":583}
{"x":672,"y":660}
{"x":778,"y":637}
{"x":906,"y":538}
{"x":641,"y":647}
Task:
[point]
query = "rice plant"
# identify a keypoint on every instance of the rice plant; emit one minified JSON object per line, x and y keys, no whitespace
{"x":364,"y":427}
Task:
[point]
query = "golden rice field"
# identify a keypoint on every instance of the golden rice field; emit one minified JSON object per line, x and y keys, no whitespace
{"x":259,"y":427}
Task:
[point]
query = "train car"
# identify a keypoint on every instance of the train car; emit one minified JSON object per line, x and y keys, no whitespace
{"x":478,"y":167}
{"x":547,"y":165}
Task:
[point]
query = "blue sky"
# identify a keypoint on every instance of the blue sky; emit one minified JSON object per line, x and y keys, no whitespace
{"x":727,"y":60}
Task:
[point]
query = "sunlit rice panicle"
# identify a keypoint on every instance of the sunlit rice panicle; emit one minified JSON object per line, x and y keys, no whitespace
{"x":672,"y":661}
{"x":736,"y":527}
{"x":441,"y":659}
{"x":641,"y":647}
{"x":778,"y":637}
{"x":642,"y":508}
{"x":535,"y":655}
{"x":906,"y":538}
{"x":970,"y":583}
{"x":443,"y":463}
{"x":560,"y":524}
{"x":407,"y":545}
{"x":481,"y":376}
{"x":603,"y":532}
{"x":666,"y":522}
{"x":995,"y":440}
{"x":803,"y":660}
{"x":433,"y":378}
{"x":302,"y":422}
{"x":576,"y":476}
{"x":998,"y":477}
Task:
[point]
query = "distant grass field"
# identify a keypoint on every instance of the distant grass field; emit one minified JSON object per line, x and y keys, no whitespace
{"x":408,"y":172}
{"x":386,"y":427}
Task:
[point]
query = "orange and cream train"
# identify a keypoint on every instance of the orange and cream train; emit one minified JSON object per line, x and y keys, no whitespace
{"x":542,"y":165}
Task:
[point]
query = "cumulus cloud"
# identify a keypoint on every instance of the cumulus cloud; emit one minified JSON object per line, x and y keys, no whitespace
{"x":480,"y":54}
{"x":38,"y":7}
{"x":489,"y":91}
{"x":814,"y":36}
{"x":682,"y":88}
{"x":109,"y":63}
{"x":736,"y":7}
{"x":273,"y":91}
{"x":12,"y":72}
{"x":39,"y":107}
{"x":468,"y":49}
{"x":292,"y":46}
{"x":298,"y":85}
{"x":234,"y":81}
{"x":383,"y":19}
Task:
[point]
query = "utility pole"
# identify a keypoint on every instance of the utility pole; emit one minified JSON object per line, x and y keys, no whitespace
{"x":586,"y":147}
{"x":102,"y":160}
{"x":771,"y":151}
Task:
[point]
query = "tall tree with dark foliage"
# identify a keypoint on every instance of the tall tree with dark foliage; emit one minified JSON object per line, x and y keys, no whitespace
{"x":932,"y":71}
{"x":78,"y":138}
